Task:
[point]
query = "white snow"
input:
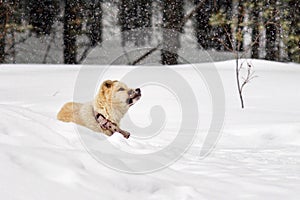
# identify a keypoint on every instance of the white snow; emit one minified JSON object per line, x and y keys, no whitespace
{"x":256,"y":157}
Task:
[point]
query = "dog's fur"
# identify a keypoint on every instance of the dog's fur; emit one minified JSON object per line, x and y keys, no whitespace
{"x":112,"y":101}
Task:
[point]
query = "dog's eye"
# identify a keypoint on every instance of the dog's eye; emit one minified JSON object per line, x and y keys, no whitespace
{"x":121,"y":89}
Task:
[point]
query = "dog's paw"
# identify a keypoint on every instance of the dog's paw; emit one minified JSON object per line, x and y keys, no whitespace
{"x":111,"y":133}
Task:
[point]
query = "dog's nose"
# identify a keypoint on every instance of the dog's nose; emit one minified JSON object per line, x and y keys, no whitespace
{"x":138,"y":90}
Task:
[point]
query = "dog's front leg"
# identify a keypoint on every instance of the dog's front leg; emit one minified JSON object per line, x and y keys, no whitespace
{"x":112,"y":127}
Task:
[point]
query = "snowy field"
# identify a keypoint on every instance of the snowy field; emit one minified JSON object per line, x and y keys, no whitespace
{"x":256,"y":157}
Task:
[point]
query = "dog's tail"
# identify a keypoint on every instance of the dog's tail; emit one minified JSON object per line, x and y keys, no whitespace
{"x":69,"y":112}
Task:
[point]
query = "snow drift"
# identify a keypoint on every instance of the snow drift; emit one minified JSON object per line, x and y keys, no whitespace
{"x":256,"y":157}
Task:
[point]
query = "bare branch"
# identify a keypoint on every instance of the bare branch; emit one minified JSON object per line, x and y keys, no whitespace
{"x":48,"y":48}
{"x":146,"y":54}
{"x":224,"y":44}
{"x":85,"y":54}
{"x":228,"y":36}
{"x":249,"y":77}
{"x":126,"y":55}
{"x":22,"y":40}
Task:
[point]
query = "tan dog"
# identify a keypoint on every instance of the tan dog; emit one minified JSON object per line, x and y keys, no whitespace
{"x":105,"y":112}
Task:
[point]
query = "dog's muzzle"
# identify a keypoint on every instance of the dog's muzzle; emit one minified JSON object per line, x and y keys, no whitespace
{"x":134,"y":96}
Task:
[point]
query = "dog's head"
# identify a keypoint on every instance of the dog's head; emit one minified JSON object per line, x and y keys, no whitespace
{"x":118,"y":94}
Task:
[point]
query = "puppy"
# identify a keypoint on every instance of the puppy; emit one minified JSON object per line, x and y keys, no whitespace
{"x":104,"y":113}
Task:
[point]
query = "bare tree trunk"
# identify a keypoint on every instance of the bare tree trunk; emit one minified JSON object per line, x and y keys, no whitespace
{"x":95,"y":22}
{"x":271,"y":33}
{"x":127,"y":13}
{"x":3,"y":21}
{"x":227,"y":6}
{"x":202,"y":26}
{"x":134,"y":15}
{"x":144,"y":22}
{"x":42,"y":14}
{"x":255,"y":30}
{"x":237,"y":73}
{"x":172,"y":16}
{"x":240,"y":26}
{"x":70,"y":31}
{"x":294,"y":18}
{"x":2,"y":48}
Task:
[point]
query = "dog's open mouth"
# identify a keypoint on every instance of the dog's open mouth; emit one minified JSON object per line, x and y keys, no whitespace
{"x":134,"y":96}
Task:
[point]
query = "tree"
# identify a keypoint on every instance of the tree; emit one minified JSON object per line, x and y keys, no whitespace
{"x":240,"y":25}
{"x":255,"y":28}
{"x":72,"y":25}
{"x":135,"y":15}
{"x":178,"y":25}
{"x":144,"y":21}
{"x":220,"y":21}
{"x":4,"y":13}
{"x":202,"y":26}
{"x":271,"y":31}
{"x":243,"y":77}
{"x":94,"y":23}
{"x":172,"y":17}
{"x":293,"y":43}
{"x":41,"y":15}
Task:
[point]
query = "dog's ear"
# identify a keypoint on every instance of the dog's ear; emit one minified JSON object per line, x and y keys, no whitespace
{"x":107,"y":83}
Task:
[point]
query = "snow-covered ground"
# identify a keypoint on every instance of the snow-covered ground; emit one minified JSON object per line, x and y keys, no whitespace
{"x":256,"y":157}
